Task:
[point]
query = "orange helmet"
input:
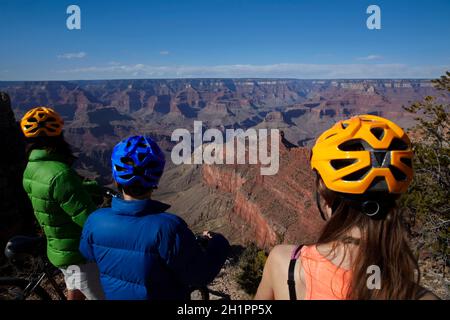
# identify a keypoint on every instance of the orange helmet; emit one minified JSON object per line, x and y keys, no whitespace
{"x":365,"y":153}
{"x":41,"y":121}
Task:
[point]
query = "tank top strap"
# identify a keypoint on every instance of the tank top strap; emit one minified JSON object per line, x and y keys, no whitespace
{"x":291,"y":272}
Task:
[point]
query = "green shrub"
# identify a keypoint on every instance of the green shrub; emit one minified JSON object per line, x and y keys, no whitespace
{"x":251,"y":265}
{"x":427,"y":201}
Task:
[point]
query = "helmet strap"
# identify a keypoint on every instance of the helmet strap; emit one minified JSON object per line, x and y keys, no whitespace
{"x":319,"y":207}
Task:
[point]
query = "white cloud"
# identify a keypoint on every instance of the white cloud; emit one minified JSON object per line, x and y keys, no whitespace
{"x":164,"y":53}
{"x":74,"y":55}
{"x":370,"y":58}
{"x":281,"y":70}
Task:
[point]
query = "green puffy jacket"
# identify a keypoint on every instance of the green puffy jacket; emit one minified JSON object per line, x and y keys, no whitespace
{"x":61,"y":204}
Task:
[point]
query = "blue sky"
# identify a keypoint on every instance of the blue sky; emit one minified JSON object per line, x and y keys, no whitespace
{"x":223,"y":38}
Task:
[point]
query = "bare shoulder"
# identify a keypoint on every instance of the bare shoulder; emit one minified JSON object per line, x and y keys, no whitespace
{"x":278,"y":270}
{"x":281,"y":254}
{"x":274,"y":271}
{"x":282,"y":251}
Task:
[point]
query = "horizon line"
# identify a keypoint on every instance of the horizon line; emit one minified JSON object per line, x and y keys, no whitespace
{"x":221,"y":78}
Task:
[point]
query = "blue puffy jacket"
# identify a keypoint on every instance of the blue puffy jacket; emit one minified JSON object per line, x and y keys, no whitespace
{"x":145,"y":253}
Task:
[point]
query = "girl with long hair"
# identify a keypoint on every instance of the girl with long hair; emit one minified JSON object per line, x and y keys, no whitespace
{"x":362,"y":166}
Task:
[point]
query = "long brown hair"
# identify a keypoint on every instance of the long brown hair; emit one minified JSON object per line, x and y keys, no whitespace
{"x":53,"y":145}
{"x":383,"y":243}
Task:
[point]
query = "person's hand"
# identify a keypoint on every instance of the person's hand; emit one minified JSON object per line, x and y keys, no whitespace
{"x":208,"y":234}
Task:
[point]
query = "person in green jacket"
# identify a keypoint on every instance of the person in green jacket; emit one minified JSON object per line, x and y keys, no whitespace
{"x":61,"y":200}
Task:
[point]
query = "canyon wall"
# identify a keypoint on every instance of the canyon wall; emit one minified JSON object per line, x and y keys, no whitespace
{"x":269,"y":210}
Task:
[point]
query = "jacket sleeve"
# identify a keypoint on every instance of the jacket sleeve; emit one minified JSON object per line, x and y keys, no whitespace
{"x":69,"y":192}
{"x":194,"y":265}
{"x":86,"y":242}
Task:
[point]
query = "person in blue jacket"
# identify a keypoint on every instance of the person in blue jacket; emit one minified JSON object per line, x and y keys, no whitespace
{"x":143,"y":252}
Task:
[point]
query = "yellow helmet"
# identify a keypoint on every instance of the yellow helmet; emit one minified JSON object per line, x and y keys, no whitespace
{"x":365,"y":153}
{"x":41,"y":121}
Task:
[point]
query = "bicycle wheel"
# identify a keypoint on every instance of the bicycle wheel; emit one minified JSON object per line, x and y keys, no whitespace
{"x":13,"y":289}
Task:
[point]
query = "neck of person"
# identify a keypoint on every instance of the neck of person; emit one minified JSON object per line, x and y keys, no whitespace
{"x":127,"y":197}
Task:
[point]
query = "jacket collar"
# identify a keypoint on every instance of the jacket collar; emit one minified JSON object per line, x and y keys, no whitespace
{"x":137,"y":207}
{"x":44,"y":155}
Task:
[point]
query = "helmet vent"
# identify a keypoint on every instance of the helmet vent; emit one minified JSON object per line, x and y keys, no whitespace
{"x":357,"y":175}
{"x":341,"y":163}
{"x":33,"y":119}
{"x":331,"y":135}
{"x":141,"y":156}
{"x":344,"y":125}
{"x":378,"y":133}
{"x":398,"y":144}
{"x":406,"y":161}
{"x":34,"y":130}
{"x":352,"y":145}
{"x":126,"y":176}
{"x":127,"y":160}
{"x":119,"y":168}
{"x":397,"y":173}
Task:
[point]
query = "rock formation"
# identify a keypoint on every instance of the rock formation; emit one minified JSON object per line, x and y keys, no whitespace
{"x":269,"y":209}
{"x":16,"y":215}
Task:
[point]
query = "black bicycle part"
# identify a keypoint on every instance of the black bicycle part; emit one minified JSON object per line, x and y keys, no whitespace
{"x":25,"y":288}
{"x":16,"y":250}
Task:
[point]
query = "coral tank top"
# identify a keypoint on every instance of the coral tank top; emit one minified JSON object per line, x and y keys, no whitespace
{"x":323,"y":279}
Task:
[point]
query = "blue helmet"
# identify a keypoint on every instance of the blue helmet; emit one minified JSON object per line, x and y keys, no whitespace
{"x":137,"y":159}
